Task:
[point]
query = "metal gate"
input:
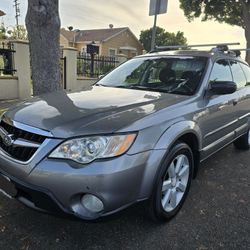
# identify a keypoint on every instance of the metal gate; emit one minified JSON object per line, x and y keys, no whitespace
{"x":63,"y":64}
{"x":6,"y":59}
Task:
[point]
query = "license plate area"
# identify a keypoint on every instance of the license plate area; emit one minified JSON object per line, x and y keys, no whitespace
{"x":7,"y":187}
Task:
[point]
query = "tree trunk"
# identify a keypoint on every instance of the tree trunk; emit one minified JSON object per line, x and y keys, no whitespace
{"x":247,"y":35}
{"x":246,"y":18}
{"x":43,"y":25}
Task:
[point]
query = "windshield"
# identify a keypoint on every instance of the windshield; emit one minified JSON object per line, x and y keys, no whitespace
{"x":180,"y":75}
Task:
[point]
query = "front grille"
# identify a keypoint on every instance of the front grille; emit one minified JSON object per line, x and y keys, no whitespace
{"x":20,"y":153}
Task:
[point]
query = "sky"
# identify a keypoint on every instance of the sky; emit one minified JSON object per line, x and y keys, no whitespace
{"x":92,"y":14}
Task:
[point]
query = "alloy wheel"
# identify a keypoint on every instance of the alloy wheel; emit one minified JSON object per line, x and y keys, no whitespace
{"x":175,"y":182}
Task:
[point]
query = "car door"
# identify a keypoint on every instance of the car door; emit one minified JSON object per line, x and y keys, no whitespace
{"x":220,"y":121}
{"x":241,"y":76}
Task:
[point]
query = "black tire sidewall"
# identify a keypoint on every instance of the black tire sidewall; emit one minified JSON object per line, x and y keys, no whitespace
{"x":179,"y":148}
{"x":242,"y":142}
{"x":247,"y":145}
{"x":246,"y":138}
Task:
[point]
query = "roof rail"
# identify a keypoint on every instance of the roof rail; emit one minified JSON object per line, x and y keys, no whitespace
{"x":177,"y":47}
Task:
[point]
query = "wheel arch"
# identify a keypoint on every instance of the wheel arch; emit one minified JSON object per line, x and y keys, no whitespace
{"x":192,"y":141}
{"x":187,"y":132}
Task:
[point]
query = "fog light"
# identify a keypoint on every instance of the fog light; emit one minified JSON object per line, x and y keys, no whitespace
{"x":92,"y":203}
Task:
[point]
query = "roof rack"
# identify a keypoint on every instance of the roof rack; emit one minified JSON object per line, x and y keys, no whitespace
{"x":237,"y":52}
{"x":218,"y":47}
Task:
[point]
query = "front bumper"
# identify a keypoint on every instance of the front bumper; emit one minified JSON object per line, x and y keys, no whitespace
{"x":58,"y":185}
{"x":32,"y":196}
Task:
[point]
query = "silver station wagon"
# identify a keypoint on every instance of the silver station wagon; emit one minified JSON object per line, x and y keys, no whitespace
{"x":138,"y":134}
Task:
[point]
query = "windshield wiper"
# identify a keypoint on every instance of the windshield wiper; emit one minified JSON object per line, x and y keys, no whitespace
{"x":121,"y":87}
{"x":136,"y":87}
{"x":98,"y":84}
{"x":140,"y":87}
{"x":111,"y":86}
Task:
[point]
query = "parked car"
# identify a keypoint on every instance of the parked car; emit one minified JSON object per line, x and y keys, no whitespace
{"x":138,"y":134}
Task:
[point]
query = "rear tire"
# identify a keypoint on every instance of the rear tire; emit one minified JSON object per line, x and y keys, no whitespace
{"x":172,"y":183}
{"x":243,"y":142}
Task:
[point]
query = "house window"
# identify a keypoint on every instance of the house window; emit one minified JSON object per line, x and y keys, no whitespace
{"x":112,"y":52}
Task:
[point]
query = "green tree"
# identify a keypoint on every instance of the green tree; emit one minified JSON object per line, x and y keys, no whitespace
{"x":163,"y":38}
{"x":233,"y":12}
{"x":2,"y":32}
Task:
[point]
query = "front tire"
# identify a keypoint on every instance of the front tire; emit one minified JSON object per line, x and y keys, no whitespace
{"x":173,"y":183}
{"x":243,"y":142}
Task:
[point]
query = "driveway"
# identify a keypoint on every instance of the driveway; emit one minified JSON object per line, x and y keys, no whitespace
{"x":216,"y":215}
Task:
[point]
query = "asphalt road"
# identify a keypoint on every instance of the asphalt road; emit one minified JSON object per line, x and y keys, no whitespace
{"x":216,"y":215}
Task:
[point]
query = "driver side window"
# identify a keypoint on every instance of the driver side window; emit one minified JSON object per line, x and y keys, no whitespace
{"x":221,"y":71}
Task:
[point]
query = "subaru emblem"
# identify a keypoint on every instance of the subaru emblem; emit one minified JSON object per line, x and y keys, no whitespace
{"x":7,"y":139}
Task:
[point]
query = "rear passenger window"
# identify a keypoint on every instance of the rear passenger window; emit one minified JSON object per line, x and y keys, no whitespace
{"x":221,"y":71}
{"x":238,"y":75}
{"x":246,"y":70}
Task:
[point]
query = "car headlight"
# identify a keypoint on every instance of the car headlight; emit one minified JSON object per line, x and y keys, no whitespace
{"x":87,"y":149}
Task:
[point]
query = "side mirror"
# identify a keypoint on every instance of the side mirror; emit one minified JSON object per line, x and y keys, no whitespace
{"x":223,"y":87}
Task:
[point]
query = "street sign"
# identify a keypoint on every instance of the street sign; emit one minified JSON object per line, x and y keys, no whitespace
{"x":158,"y":7}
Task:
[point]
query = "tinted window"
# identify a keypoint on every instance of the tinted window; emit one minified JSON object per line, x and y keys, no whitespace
{"x":238,"y":74}
{"x":246,"y":70}
{"x":221,"y":71}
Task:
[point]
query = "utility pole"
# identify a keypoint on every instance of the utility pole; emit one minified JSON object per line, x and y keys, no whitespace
{"x":17,"y":10}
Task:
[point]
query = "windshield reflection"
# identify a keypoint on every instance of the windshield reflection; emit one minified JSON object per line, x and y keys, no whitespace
{"x":180,"y":75}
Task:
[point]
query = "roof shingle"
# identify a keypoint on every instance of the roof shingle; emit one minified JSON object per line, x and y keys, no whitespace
{"x":91,"y":35}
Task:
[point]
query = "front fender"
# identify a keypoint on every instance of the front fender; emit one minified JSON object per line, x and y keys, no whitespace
{"x":175,"y":131}
{"x":161,"y":149}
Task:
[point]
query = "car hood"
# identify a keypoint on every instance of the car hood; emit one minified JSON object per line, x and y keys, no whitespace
{"x":94,"y":111}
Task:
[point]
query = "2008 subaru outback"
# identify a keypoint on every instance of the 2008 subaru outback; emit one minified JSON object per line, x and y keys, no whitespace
{"x":138,"y":134}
